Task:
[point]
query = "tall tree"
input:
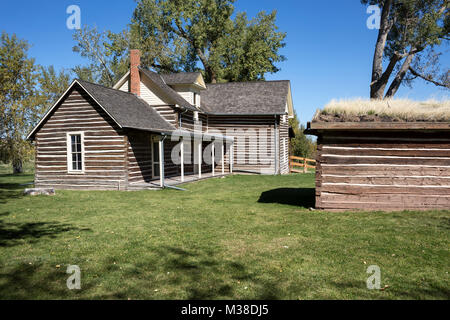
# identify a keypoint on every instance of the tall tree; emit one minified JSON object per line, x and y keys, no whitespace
{"x":19,"y":100}
{"x":106,"y":52}
{"x":411,"y":32}
{"x":188,"y":35}
{"x":52,"y":85}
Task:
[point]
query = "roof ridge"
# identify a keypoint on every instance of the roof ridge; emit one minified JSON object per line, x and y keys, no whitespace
{"x":253,"y":81}
{"x":105,"y":87}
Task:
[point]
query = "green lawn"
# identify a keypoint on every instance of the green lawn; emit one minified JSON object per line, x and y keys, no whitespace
{"x":241,"y":237}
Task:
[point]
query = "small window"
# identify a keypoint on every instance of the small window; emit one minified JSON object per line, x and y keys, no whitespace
{"x":75,"y":152}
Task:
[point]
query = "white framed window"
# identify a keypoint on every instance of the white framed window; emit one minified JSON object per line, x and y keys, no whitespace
{"x":75,"y":152}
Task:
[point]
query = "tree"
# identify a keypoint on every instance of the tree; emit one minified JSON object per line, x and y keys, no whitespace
{"x":301,"y":145}
{"x":19,"y":100}
{"x":26,"y":90}
{"x":107,"y":53}
{"x":188,"y":35}
{"x":52,"y":85}
{"x":410,"y":33}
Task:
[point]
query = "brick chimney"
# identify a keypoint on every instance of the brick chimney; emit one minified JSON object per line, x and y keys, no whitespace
{"x":135,"y":80}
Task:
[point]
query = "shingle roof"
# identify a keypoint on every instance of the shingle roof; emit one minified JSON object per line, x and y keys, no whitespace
{"x":239,"y":98}
{"x":172,"y":94}
{"x":181,"y":78}
{"x":128,"y":110}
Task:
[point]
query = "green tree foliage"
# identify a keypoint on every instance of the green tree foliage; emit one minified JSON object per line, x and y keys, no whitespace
{"x":19,"y":99}
{"x":410,"y":36}
{"x":187,"y":35}
{"x":301,"y":145}
{"x":51,"y":85}
{"x":26,"y":90}
{"x":107,"y":53}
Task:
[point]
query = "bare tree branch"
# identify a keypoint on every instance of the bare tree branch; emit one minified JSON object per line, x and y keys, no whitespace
{"x":427,"y":78}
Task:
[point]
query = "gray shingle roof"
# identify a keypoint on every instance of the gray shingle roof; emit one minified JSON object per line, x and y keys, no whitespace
{"x":128,"y":110}
{"x":171,"y":94}
{"x":239,"y":98}
{"x":181,"y":78}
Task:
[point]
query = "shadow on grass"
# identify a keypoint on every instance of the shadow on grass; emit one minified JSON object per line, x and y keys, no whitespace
{"x":197,"y":274}
{"x":302,"y":197}
{"x":37,"y":281}
{"x":15,"y":233}
{"x":210,"y":277}
{"x":13,"y":190}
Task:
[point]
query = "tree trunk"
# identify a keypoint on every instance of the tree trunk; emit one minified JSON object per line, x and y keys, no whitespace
{"x":376,"y":86}
{"x":211,"y":75}
{"x":400,"y":76}
{"x":17,"y":166}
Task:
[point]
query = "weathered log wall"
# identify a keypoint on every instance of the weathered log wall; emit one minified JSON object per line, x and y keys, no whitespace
{"x":383,"y":170}
{"x":254,"y":141}
{"x":104,"y":146}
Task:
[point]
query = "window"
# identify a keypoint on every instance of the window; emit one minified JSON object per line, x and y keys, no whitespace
{"x":75,"y":152}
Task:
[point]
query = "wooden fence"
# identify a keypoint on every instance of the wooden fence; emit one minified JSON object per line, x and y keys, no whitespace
{"x":297,"y":162}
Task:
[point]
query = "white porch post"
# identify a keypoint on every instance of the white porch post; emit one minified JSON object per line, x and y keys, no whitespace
{"x":213,"y":157}
{"x":223,"y":158}
{"x":182,"y":159}
{"x":161,"y":162}
{"x":200,"y":159}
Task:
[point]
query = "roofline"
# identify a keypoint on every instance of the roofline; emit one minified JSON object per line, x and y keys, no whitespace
{"x":253,"y":81}
{"x":184,"y":133}
{"x":245,"y":114}
{"x":121,"y":81}
{"x":392,"y":126}
{"x":192,"y":107}
{"x":59,"y":100}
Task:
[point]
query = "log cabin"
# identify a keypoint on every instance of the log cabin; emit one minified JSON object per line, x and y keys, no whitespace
{"x":397,"y":158}
{"x":155,"y":130}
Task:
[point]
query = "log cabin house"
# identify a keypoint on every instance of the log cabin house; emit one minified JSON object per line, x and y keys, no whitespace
{"x":156,"y":130}
{"x":397,"y":158}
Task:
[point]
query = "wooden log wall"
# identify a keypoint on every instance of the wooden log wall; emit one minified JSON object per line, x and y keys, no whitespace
{"x":251,"y":152}
{"x":284,"y":145}
{"x":168,"y":113}
{"x":139,"y":157}
{"x":104,"y":144}
{"x":383,"y":170}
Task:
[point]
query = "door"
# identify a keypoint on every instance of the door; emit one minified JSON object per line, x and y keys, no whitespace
{"x":155,"y":157}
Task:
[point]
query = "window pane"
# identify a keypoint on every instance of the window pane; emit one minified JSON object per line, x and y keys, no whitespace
{"x":156,"y":168}
{"x":75,"y":142}
{"x":156,"y":152}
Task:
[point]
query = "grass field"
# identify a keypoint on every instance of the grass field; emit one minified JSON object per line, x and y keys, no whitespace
{"x":241,"y":237}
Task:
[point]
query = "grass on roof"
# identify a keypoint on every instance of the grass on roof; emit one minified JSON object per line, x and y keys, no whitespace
{"x":385,"y":110}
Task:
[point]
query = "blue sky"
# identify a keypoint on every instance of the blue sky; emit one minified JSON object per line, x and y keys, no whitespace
{"x":329,"y":48}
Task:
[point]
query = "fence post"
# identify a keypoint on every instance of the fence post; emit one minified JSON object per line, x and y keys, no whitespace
{"x":305,"y":169}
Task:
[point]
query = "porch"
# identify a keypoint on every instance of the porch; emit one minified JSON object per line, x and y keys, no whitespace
{"x":180,"y":157}
{"x":173,"y":181}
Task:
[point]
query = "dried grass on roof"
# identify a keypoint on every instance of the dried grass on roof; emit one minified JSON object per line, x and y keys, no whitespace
{"x":355,"y":110}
